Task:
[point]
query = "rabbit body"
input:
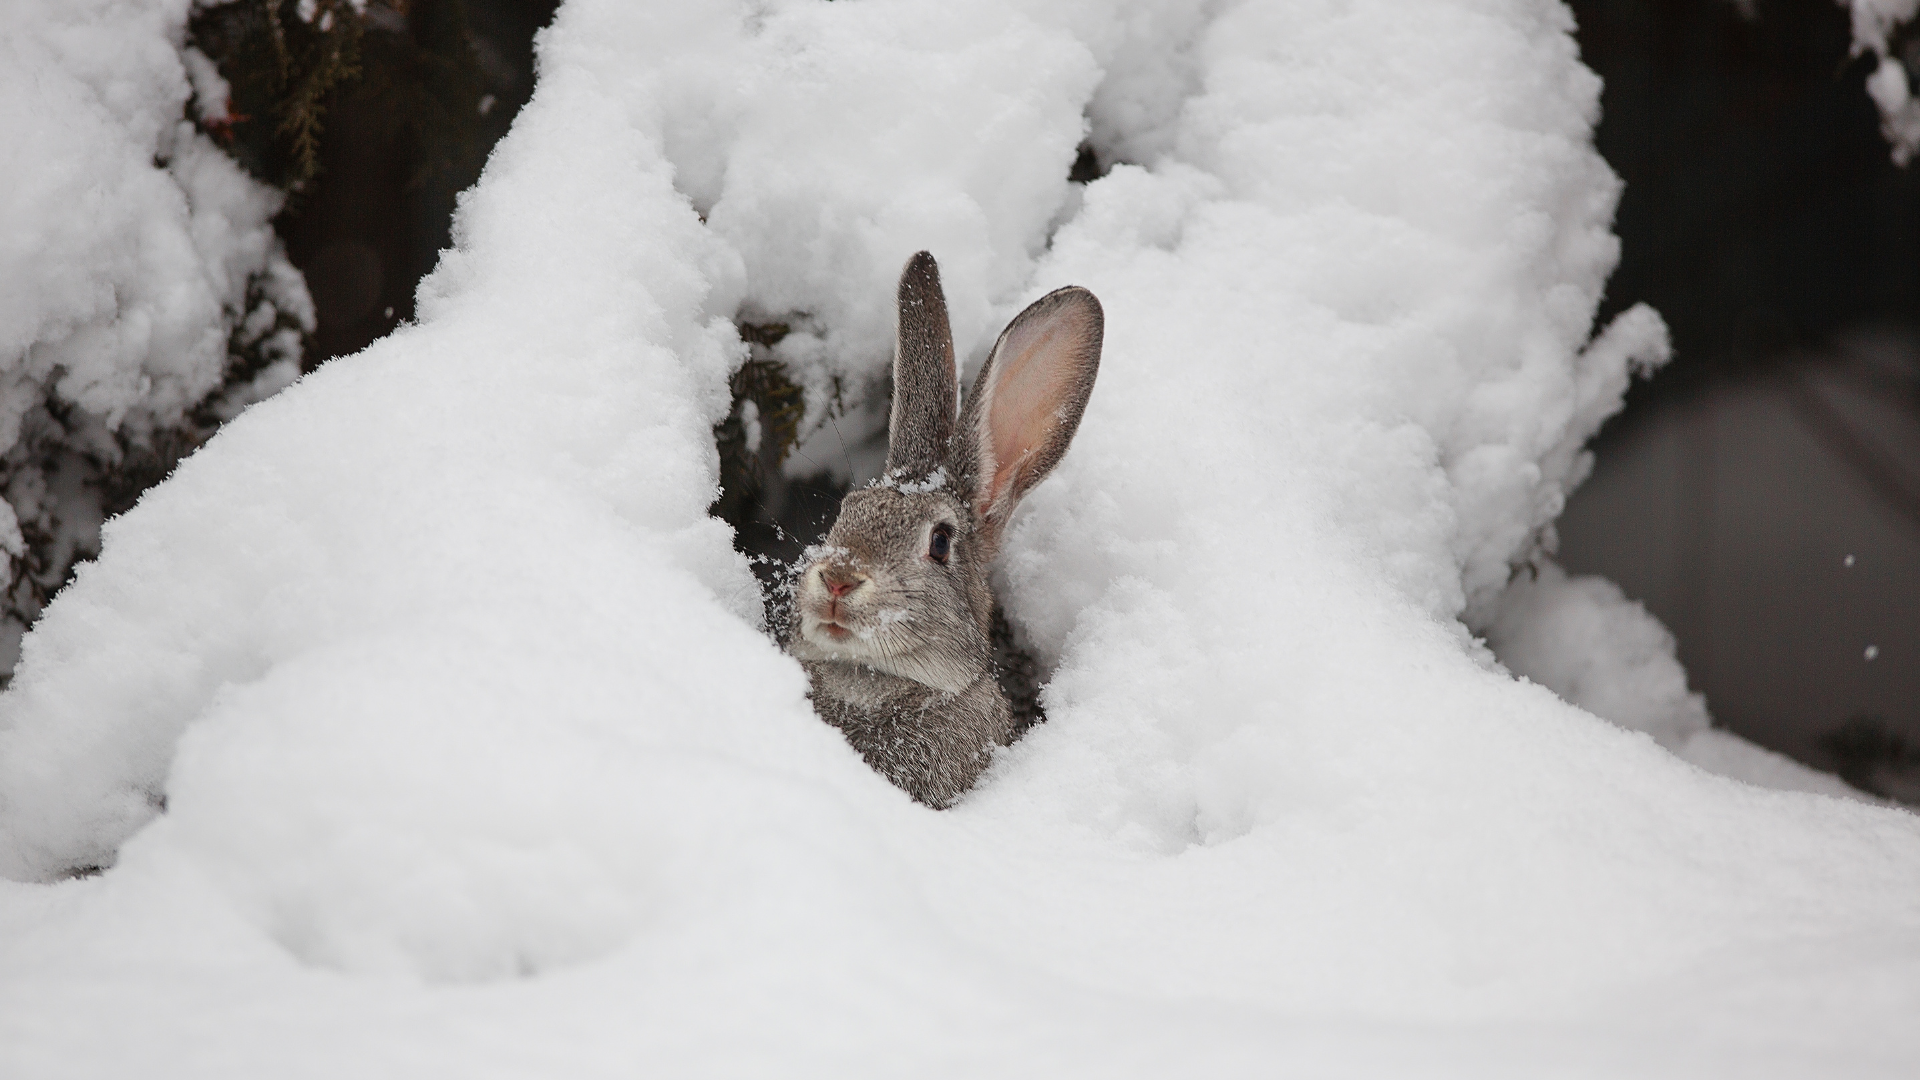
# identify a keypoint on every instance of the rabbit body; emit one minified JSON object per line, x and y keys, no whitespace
{"x":928,"y":742}
{"x":892,"y":612}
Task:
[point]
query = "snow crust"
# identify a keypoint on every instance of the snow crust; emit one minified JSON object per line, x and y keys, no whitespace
{"x":474,"y":761}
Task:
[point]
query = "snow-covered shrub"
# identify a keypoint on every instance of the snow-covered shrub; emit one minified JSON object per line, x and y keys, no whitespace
{"x":435,"y":668}
{"x":146,"y":296}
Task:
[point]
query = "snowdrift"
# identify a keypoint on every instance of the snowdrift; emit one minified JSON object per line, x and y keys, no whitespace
{"x":423,"y":722}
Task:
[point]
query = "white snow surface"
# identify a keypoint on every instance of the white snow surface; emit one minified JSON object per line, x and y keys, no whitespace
{"x":474,"y":761}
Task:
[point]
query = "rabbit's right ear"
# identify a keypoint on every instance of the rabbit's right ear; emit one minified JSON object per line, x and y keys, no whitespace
{"x":1027,"y":403}
{"x":924,"y":382}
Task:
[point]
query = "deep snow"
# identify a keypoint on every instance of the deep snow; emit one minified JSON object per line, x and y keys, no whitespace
{"x":474,"y":760}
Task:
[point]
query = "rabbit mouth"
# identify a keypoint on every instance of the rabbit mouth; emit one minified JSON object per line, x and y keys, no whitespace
{"x":831,"y":620}
{"x":831,"y":625}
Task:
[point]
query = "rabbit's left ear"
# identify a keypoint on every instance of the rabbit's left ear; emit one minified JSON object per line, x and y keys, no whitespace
{"x":1027,"y":402}
{"x":924,"y":382}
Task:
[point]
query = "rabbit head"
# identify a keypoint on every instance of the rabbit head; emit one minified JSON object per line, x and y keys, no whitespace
{"x":900,"y":584}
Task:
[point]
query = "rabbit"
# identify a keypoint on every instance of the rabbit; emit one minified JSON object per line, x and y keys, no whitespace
{"x":892,"y":611}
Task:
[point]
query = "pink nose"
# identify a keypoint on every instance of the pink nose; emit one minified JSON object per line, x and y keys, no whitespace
{"x":839,"y":580}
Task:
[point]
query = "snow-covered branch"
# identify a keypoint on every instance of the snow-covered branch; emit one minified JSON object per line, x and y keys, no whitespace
{"x":1878,"y":28}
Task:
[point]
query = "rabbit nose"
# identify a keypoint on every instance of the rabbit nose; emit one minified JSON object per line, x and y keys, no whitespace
{"x":840,"y":580}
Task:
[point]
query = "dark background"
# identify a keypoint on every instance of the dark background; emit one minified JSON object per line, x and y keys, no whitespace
{"x":1762,"y":208}
{"x":1761,"y":494}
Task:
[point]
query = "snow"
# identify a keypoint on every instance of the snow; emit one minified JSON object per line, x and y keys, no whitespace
{"x":1874,"y":21}
{"x":475,"y":761}
{"x":1899,"y":115}
{"x":1589,"y":644}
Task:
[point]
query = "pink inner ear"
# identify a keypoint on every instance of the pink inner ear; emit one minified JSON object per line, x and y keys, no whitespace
{"x":1033,"y":377}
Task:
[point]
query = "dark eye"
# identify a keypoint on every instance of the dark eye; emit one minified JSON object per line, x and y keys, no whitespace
{"x":940,"y":544}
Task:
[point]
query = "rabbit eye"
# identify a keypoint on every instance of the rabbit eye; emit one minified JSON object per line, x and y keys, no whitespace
{"x":940,"y":544}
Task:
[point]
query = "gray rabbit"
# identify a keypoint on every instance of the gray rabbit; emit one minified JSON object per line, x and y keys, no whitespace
{"x":892,"y":611}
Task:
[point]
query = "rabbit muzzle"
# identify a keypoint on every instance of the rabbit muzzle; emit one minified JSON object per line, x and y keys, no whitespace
{"x":834,"y":598}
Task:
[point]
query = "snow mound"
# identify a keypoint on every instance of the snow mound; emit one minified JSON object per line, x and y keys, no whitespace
{"x":442,"y":674}
{"x":1585,"y":641}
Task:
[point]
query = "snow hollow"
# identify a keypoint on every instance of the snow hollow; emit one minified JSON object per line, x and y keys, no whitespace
{"x":423,"y":723}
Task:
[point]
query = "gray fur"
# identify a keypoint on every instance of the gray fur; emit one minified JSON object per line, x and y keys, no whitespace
{"x":901,"y":660}
{"x":924,"y":382}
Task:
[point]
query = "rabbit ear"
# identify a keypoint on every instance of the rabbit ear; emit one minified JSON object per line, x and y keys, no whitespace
{"x":1027,"y":402}
{"x":924,"y":383}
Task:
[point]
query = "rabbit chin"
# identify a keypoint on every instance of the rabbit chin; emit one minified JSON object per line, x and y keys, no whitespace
{"x":930,"y":666}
